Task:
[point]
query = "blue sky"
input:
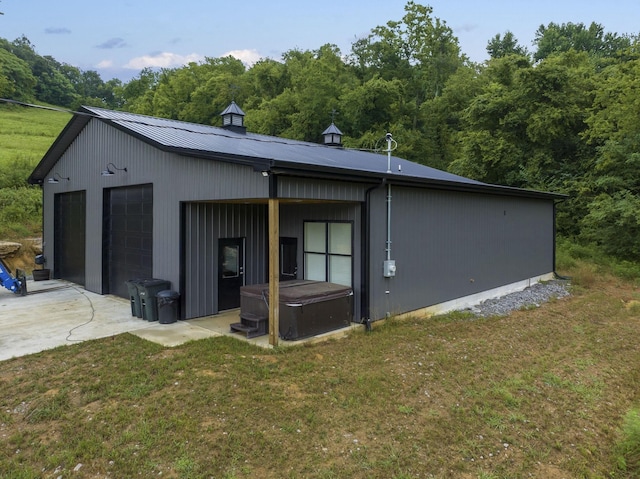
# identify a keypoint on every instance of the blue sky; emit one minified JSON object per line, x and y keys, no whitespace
{"x":119,"y":37}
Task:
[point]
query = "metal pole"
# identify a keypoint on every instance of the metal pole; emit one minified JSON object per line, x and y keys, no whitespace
{"x":389,"y":140}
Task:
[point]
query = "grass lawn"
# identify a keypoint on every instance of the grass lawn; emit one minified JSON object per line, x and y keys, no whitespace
{"x":541,"y":393}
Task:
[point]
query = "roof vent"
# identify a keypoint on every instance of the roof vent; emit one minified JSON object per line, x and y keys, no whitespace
{"x":332,"y":136}
{"x":233,"y":118}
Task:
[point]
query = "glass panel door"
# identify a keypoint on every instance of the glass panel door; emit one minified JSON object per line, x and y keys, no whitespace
{"x":230,"y":272}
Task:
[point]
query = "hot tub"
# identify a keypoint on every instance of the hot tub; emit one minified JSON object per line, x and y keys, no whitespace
{"x":307,"y":308}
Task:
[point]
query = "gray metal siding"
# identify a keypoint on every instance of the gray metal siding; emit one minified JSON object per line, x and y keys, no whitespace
{"x":446,"y":244}
{"x":175,"y":179}
{"x":305,"y":188}
{"x":204,"y":224}
{"x":292,"y":218}
{"x":450,"y":245}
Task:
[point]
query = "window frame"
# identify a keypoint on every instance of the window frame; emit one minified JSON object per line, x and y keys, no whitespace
{"x":327,"y":254}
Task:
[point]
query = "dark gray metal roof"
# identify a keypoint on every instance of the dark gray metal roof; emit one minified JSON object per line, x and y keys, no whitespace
{"x":263,"y":152}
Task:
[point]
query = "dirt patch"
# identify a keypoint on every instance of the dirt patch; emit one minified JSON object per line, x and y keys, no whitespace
{"x":24,"y":257}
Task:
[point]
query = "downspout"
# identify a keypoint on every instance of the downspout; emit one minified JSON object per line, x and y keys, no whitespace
{"x":44,"y":243}
{"x":389,"y":264}
{"x":273,"y":185}
{"x":366,"y":247}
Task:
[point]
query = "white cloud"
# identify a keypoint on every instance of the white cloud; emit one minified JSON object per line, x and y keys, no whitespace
{"x":171,"y":60}
{"x":163,"y":60}
{"x":105,"y":64}
{"x":248,"y":57}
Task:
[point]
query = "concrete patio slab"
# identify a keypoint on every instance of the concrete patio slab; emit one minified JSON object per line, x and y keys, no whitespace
{"x":174,"y":334}
{"x":57,"y":313}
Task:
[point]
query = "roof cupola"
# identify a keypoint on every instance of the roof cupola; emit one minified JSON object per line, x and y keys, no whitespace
{"x":332,"y":136}
{"x":233,"y":118}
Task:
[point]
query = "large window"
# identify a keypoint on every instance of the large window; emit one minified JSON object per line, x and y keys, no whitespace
{"x":328,"y":252}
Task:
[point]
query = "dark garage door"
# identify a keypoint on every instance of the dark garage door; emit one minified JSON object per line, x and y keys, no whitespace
{"x":69,"y":236}
{"x":128,"y":236}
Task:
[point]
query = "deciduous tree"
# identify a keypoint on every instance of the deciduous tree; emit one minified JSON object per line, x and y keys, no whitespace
{"x":500,"y":46}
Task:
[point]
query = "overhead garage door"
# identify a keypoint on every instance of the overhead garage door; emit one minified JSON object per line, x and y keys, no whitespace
{"x":69,"y":236}
{"x":128,"y":236}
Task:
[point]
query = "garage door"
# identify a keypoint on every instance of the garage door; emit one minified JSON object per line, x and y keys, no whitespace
{"x":69,"y":236}
{"x":128,"y":236}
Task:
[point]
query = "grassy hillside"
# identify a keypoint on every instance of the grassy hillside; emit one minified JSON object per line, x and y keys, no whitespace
{"x":25,"y":136}
{"x":27,"y":133}
{"x":548,"y":392}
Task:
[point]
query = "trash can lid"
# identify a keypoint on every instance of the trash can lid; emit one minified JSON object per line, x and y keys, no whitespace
{"x":168,"y":294}
{"x":153,"y":282}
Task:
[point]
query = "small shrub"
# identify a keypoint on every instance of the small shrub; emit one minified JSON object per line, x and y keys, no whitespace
{"x":20,"y":212}
{"x":15,"y":173}
{"x":627,"y":269}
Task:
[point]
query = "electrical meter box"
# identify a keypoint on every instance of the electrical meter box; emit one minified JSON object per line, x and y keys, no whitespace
{"x":389,"y":268}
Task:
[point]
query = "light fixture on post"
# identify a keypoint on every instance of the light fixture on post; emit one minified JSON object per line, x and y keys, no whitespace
{"x":109,"y":170}
{"x":56,"y":178}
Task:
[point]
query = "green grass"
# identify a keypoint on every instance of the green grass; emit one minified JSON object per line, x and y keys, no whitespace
{"x":587,"y":262}
{"x":540,"y":393}
{"x":27,"y":133}
{"x":628,"y":446}
{"x":25,"y":136}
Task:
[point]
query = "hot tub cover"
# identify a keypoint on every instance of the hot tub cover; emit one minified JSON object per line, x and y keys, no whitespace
{"x":299,"y":292}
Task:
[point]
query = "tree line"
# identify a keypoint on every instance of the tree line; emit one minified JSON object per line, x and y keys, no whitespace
{"x":562,"y":117}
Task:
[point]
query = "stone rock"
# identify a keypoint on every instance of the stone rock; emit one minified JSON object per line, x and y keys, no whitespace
{"x":36,"y":245}
{"x":8,"y":248}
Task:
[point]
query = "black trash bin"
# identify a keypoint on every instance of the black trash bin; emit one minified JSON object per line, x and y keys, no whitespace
{"x":168,"y":306}
{"x":148,"y":288}
{"x":134,"y":297}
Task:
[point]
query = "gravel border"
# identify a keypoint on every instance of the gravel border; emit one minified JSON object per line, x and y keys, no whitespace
{"x":533,"y":296}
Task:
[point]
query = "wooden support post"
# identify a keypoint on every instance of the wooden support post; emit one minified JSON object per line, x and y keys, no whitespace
{"x":274,"y":270}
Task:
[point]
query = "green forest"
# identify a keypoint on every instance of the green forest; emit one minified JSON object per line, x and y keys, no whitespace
{"x":560,"y":115}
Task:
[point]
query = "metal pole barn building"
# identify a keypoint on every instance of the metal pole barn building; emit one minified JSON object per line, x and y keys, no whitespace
{"x":212,"y":210}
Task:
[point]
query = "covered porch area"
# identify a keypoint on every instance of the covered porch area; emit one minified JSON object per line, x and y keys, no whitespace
{"x":231,"y":244}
